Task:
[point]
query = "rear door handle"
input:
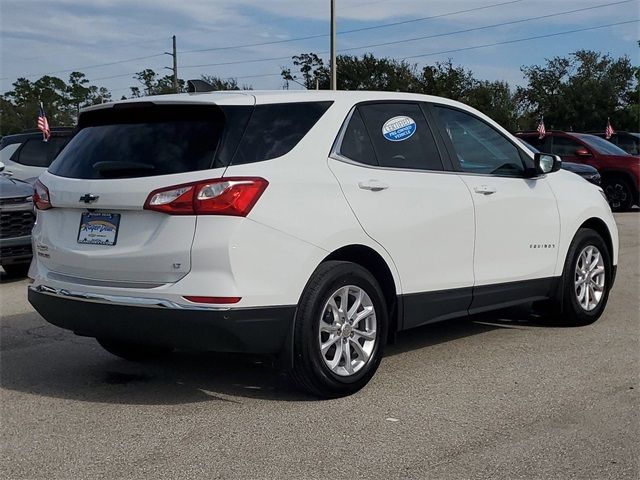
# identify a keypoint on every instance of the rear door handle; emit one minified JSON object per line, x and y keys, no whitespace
{"x":485,"y":190}
{"x":373,"y":185}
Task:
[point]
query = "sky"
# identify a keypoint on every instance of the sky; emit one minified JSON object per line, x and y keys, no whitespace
{"x":110,"y":40}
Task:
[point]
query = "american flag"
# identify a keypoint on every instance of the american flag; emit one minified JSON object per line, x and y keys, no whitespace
{"x":541,"y":130}
{"x":43,"y":124}
{"x":609,"y":131}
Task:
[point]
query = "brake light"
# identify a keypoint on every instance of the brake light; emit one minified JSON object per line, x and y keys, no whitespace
{"x":233,"y":196}
{"x":41,"y":197}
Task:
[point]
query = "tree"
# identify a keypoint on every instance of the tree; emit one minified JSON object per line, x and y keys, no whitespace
{"x":155,"y":85}
{"x":445,"y":80}
{"x":579,"y":92}
{"x":355,"y":73}
{"x":314,"y":72}
{"x":221,"y":84}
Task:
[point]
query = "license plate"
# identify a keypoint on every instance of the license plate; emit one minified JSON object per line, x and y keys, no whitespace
{"x":99,"y":228}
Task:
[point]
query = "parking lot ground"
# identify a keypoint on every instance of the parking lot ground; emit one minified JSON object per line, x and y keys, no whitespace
{"x":499,"y":396}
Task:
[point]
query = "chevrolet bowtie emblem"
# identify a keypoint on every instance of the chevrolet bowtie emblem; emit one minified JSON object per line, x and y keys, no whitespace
{"x":89,"y":198}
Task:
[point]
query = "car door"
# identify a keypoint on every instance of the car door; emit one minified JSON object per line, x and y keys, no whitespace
{"x":517,"y":225}
{"x":391,"y":171}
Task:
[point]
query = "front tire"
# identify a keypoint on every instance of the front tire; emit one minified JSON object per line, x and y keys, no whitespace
{"x":586,"y":280}
{"x":132,"y":351}
{"x":340,"y":330}
{"x":619,"y":193}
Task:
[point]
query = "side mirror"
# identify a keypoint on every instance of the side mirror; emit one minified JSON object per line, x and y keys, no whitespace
{"x":547,"y":163}
{"x":583,"y":152}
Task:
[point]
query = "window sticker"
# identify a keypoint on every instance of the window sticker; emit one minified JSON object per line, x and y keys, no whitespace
{"x":398,"y":129}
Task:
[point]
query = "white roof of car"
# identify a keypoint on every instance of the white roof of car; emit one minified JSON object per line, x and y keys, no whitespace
{"x":257,"y":97}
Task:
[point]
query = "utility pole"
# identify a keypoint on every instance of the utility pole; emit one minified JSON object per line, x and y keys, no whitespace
{"x":175,"y":65}
{"x":334,"y":75}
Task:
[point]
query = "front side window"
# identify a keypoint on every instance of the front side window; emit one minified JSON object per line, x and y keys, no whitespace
{"x":479,"y":148}
{"x":564,"y":146}
{"x":600,"y":144}
{"x":400,"y":136}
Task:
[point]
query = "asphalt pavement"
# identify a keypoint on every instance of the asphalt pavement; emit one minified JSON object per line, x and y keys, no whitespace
{"x":502,"y":396}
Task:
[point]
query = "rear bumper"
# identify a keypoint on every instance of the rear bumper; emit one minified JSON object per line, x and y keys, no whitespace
{"x":246,"y":330}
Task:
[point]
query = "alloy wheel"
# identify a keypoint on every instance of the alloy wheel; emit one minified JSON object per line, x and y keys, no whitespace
{"x":589,"y":279}
{"x":347,"y":332}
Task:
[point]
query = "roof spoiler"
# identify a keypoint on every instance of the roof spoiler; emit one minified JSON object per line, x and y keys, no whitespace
{"x":197,"y":86}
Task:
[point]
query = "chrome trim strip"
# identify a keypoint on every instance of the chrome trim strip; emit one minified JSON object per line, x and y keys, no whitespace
{"x":17,"y":207}
{"x":61,"y":277}
{"x":120,"y":300}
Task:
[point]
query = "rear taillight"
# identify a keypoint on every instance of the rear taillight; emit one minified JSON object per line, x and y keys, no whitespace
{"x":234,"y":196}
{"x":41,"y":197}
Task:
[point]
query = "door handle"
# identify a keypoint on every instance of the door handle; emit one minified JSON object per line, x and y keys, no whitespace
{"x":373,"y":185}
{"x":485,"y":190}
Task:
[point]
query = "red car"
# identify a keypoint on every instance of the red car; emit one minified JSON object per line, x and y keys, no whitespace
{"x":620,"y":171}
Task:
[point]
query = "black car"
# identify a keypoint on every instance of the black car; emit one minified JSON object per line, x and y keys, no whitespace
{"x":627,"y":141}
{"x":16,"y":221}
{"x":585,"y":171}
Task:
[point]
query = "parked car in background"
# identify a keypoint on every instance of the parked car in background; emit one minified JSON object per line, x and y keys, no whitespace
{"x":16,"y":221}
{"x":314,"y":225}
{"x":587,"y":172}
{"x":627,"y":141}
{"x":620,"y":171}
{"x":26,"y":155}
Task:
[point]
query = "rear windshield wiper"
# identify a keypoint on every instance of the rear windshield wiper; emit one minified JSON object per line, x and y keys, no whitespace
{"x":115,"y":167}
{"x":119,"y":165}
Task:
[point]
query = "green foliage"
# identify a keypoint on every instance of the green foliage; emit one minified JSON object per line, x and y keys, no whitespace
{"x":579,"y":92}
{"x":575,"y":92}
{"x":221,"y":84}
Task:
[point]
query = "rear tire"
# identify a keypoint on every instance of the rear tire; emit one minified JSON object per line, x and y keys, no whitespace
{"x":132,"y":351}
{"x":586,"y":280}
{"x":619,"y":193}
{"x":338,"y":344}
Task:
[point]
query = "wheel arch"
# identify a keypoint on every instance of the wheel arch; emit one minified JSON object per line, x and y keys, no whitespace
{"x":372,"y":261}
{"x":597,"y":224}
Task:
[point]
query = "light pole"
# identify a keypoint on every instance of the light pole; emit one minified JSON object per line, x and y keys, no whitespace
{"x":334,"y":76}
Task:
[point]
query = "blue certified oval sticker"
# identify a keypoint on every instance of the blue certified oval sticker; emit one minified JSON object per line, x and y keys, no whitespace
{"x":400,"y":128}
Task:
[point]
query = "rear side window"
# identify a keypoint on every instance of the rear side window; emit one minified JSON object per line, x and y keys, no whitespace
{"x":401,"y":136}
{"x":275,"y":129}
{"x":356,"y":143}
{"x":139,"y":140}
{"x":33,"y":153}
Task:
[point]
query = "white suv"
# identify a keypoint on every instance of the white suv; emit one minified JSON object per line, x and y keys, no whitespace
{"x":313,"y":225}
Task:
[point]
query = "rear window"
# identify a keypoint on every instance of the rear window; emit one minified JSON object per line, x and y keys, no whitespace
{"x":140,"y":140}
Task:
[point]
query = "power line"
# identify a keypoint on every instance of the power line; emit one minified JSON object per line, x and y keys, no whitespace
{"x":90,"y":66}
{"x":355,"y":30}
{"x":485,"y":27}
{"x":309,"y":37}
{"x":506,"y":42}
